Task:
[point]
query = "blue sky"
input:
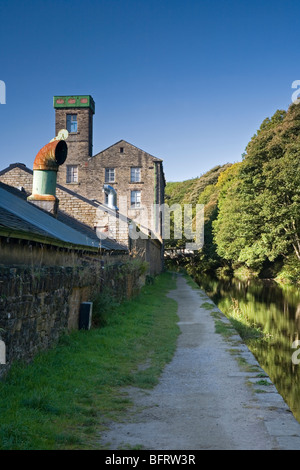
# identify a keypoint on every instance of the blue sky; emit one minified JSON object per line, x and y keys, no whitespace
{"x":189,"y":81}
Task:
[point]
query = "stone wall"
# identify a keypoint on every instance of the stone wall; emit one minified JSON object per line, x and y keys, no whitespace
{"x":38,"y":304}
{"x":18,"y":176}
{"x":122,"y":162}
{"x":150,"y":251}
{"x":80,"y":145}
{"x":78,"y":207}
{"x":121,"y":156}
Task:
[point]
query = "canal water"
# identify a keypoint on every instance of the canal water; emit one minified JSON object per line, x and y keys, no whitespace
{"x":276,"y":310}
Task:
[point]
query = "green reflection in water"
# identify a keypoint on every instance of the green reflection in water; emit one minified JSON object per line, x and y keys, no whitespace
{"x":276,"y":310}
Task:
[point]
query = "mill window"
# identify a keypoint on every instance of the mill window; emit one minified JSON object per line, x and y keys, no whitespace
{"x":109,"y":175}
{"x":135,"y":199}
{"x":72,"y":123}
{"x":72,"y":174}
{"x":135,"y":175}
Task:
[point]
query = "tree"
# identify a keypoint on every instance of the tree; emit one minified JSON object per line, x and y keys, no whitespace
{"x":258,"y":207}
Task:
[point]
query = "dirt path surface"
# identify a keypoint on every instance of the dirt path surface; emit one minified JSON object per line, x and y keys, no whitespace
{"x":205,"y":399}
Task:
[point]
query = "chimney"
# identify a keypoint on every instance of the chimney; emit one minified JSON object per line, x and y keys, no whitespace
{"x":45,"y":169}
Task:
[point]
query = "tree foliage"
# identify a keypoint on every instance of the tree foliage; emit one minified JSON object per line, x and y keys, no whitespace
{"x":252,"y":208}
{"x":200,"y":190}
{"x":259,"y":216}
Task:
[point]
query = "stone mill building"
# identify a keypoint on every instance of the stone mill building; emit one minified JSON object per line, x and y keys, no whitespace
{"x":112,"y":191}
{"x":136,"y":177}
{"x":66,"y":230}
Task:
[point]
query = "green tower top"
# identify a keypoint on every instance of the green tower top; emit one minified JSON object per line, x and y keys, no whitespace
{"x":82,"y":101}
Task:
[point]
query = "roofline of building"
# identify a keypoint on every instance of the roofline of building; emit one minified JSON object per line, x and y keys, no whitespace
{"x":97,"y":204}
{"x":22,"y":166}
{"x":16,"y":165}
{"x":51,"y":240}
{"x":156,"y":159}
{"x":125,"y":141}
{"x":33,"y":237}
{"x":74,"y":101}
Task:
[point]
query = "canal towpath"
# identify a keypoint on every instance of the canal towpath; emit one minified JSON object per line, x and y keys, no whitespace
{"x":213,"y":395}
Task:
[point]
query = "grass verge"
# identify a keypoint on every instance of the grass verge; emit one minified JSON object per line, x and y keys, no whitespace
{"x":65,"y":397}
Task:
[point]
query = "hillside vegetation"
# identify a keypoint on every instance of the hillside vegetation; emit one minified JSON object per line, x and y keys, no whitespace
{"x":252,"y":208}
{"x":188,"y":192}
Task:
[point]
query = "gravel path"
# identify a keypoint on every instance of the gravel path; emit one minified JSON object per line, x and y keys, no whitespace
{"x":205,"y":399}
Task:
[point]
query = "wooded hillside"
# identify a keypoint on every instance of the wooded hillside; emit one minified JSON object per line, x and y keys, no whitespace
{"x":252,"y":208}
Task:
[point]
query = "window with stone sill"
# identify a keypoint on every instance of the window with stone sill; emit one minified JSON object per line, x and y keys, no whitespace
{"x":72,"y":123}
{"x":72,"y":174}
{"x":135,"y":175}
{"x":109,"y":175}
{"x":135,"y":199}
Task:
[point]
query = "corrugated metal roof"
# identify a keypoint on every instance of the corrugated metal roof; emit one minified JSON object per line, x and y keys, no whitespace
{"x":20,"y":215}
{"x":12,"y":222}
{"x":107,"y":244}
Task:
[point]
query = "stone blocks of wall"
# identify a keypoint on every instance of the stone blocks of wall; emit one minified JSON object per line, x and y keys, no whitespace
{"x":122,"y":162}
{"x":80,"y":144}
{"x":150,"y":251}
{"x":18,"y":176}
{"x":121,"y":156}
{"x":78,"y":207}
{"x":38,"y":304}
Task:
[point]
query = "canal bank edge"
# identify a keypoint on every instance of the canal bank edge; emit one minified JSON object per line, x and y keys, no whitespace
{"x":282,"y":425}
